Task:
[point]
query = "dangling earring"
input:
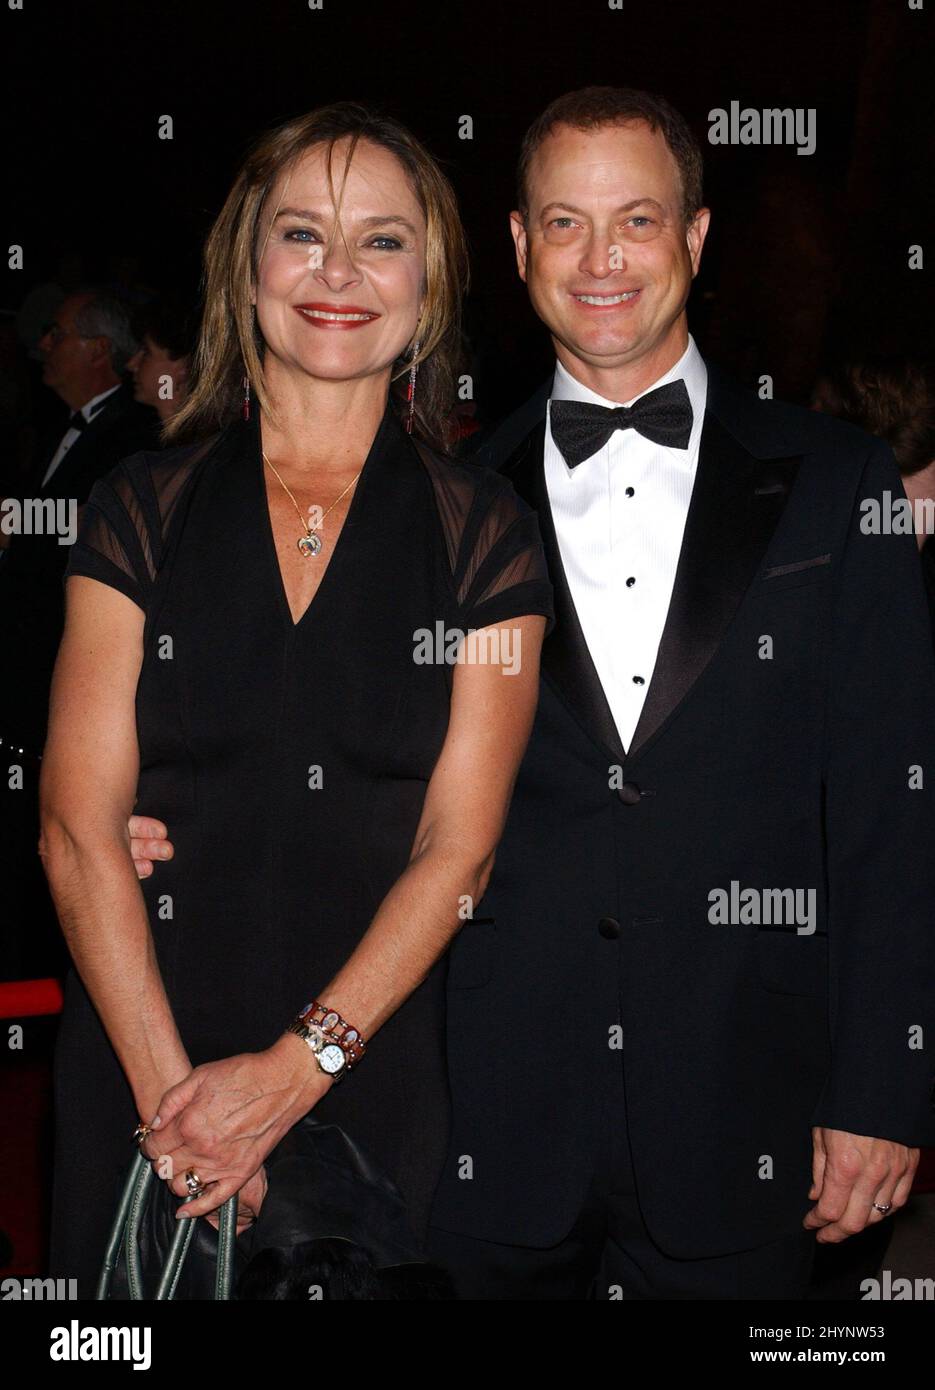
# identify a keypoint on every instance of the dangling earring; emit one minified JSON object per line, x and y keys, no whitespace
{"x":245,"y":408}
{"x":411,"y":391}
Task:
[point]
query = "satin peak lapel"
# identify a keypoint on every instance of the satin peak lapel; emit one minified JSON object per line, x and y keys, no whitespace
{"x":736,"y":503}
{"x":566,"y":661}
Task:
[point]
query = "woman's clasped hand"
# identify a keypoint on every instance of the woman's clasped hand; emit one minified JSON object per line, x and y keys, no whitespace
{"x":223,"y":1119}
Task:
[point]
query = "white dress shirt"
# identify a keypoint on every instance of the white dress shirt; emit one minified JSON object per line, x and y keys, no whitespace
{"x":71,"y":435}
{"x":619,"y":519}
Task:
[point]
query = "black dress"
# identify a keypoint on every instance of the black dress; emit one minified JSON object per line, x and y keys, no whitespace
{"x":290,"y":763}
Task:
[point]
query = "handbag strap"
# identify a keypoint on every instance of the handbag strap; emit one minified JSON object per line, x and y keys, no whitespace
{"x":227,"y":1236}
{"x":125,"y":1230}
{"x":115,"y":1239}
{"x":181,"y":1240}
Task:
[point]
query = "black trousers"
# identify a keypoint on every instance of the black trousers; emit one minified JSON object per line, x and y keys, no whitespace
{"x":609,"y":1255}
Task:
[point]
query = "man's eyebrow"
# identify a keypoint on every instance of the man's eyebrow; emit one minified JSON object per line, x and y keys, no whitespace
{"x":377,"y":220}
{"x":624,"y":207}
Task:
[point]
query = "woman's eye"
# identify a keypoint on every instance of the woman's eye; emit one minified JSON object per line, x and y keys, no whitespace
{"x":297,"y":233}
{"x":386,"y":243}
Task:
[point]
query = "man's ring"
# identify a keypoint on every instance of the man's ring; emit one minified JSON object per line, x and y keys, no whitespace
{"x":193,"y":1183}
{"x":883,"y":1207}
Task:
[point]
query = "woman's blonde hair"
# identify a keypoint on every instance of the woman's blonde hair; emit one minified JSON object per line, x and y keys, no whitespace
{"x":230,"y":343}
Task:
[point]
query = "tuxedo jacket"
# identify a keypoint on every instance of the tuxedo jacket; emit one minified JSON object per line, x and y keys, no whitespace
{"x":32,"y":570}
{"x":787,"y":742}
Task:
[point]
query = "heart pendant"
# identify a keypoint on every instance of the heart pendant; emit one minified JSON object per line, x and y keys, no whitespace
{"x":310,"y":544}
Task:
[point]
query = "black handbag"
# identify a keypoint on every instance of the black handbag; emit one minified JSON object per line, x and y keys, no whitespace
{"x":331,"y":1226}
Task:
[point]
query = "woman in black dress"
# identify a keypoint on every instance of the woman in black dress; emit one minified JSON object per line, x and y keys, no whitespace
{"x":259,"y":646}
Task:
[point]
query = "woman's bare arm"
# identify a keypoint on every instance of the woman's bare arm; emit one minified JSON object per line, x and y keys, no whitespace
{"x":463,"y":815}
{"x":87,"y":789}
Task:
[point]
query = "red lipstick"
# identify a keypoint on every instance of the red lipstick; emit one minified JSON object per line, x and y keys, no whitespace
{"x":331,"y":316}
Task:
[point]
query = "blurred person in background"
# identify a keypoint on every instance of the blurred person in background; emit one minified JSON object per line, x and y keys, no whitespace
{"x":895,"y":399}
{"x":85,"y":350}
{"x":161,"y":367}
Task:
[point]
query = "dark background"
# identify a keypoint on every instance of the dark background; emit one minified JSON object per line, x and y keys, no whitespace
{"x":807,"y":257}
{"x":806,"y":260}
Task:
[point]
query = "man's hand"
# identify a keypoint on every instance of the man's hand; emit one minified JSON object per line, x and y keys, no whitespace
{"x":148,"y":841}
{"x":850,"y":1172}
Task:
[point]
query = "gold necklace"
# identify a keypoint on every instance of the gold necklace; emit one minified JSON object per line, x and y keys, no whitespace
{"x":310,"y":543}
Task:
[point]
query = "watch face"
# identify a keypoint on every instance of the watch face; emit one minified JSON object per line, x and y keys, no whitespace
{"x":331,"y":1059}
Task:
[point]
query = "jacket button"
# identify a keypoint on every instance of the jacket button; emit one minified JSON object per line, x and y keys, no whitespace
{"x":629,"y":793}
{"x":609,"y":928}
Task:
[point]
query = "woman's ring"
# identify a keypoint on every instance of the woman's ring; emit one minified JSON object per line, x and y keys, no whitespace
{"x":883,"y":1207}
{"x":193,"y":1183}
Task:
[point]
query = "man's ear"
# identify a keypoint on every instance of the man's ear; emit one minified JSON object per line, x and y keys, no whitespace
{"x":518,"y":229}
{"x":101,"y":351}
{"x":695,"y":236}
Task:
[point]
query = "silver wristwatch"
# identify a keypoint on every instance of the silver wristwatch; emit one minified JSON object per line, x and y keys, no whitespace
{"x":327,"y":1053}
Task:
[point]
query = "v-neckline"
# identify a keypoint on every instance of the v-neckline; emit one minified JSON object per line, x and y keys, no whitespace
{"x":340,"y":545}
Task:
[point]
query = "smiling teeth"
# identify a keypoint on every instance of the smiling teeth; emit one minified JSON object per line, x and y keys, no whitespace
{"x":339,"y":318}
{"x":605,"y":298}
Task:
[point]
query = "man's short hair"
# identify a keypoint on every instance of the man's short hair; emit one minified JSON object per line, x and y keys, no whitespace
{"x":593,"y":107}
{"x":106,"y":314}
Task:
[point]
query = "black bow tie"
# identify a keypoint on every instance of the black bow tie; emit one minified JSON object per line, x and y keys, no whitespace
{"x":78,"y":422}
{"x":580,"y":428}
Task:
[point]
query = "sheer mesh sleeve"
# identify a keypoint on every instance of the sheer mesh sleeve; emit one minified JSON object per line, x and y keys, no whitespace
{"x":497,"y":561}
{"x":122,"y":533}
{"x":116,"y":539}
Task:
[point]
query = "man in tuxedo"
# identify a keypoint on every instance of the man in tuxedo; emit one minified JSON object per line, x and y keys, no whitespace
{"x":85,"y":351}
{"x":692,"y":1023}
